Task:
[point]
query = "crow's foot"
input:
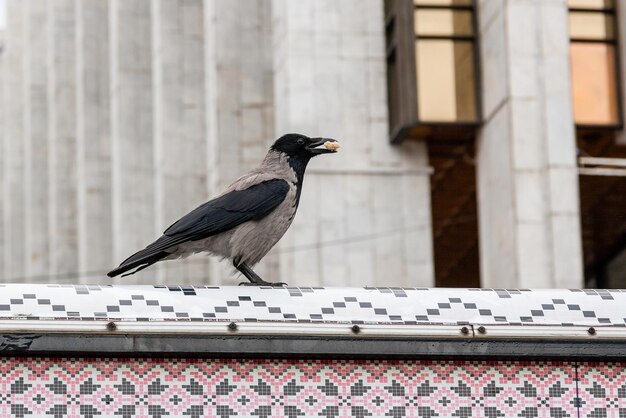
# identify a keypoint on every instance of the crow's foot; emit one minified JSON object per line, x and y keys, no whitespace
{"x":254,"y":278}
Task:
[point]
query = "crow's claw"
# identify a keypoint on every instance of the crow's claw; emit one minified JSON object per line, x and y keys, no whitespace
{"x":254,"y":278}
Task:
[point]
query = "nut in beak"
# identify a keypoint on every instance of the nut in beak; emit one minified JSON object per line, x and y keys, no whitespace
{"x":333,"y":146}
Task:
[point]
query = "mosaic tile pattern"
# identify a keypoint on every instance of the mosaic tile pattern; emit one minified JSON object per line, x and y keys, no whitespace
{"x":602,"y":390}
{"x":280,"y":388}
{"x":311,"y":304}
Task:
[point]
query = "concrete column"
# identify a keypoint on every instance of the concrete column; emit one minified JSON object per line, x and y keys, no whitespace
{"x":63,"y":238}
{"x":36,"y":141}
{"x":2,"y":136}
{"x":179,"y":124}
{"x":527,"y":177}
{"x":13,"y":152}
{"x":93,"y":139}
{"x":364,"y":216}
{"x":239,"y":100}
{"x":132,"y":130}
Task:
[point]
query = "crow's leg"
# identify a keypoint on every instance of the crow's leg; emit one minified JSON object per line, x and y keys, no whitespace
{"x":254,"y":278}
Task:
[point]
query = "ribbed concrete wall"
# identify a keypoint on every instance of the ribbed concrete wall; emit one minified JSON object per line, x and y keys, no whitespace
{"x":329,"y":61}
{"x":123,"y":115}
{"x":2,"y":122}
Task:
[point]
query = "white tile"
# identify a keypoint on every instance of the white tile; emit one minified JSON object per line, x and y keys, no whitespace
{"x":350,"y":304}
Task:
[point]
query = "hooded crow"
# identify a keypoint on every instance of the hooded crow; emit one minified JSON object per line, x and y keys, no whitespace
{"x":247,"y":220}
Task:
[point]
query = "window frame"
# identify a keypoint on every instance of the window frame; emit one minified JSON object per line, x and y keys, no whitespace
{"x":401,"y":39}
{"x":619,"y":83}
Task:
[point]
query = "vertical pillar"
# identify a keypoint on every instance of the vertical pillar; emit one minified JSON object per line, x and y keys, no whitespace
{"x":36,"y":141}
{"x":364,"y":216}
{"x":2,"y":136}
{"x":13,"y":152}
{"x":132,"y":129}
{"x":179,"y":124}
{"x":63,"y":238}
{"x":93,"y":139}
{"x":527,"y":176}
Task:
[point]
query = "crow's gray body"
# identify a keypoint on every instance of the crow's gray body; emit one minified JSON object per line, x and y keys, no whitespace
{"x":247,"y":220}
{"x":251,"y":241}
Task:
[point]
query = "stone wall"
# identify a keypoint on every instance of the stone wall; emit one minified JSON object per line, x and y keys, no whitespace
{"x":2,"y":122}
{"x":373,"y":200}
{"x":123,"y":115}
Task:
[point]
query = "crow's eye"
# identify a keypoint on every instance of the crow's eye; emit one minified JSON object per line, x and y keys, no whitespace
{"x":300,"y":141}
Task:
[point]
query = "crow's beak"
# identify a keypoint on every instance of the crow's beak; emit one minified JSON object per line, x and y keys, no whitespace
{"x":323,"y":146}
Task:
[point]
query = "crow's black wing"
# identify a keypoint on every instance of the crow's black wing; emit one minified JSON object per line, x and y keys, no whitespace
{"x":215,"y":216}
{"x":229,"y":210}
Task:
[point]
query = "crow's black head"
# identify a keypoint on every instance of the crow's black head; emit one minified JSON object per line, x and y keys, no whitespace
{"x":297,"y":145}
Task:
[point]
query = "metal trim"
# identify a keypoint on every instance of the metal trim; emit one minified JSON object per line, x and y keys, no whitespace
{"x":318,"y":330}
{"x":128,"y":345}
{"x":296,"y":329}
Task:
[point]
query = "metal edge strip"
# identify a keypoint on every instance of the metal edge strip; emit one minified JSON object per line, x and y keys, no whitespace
{"x":314,"y":329}
{"x":212,"y":346}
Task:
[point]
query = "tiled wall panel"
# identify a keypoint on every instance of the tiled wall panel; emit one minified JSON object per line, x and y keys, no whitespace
{"x":88,"y":387}
{"x":602,"y":389}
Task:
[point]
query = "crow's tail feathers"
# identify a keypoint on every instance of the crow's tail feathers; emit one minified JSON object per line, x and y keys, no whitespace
{"x":140,"y":260}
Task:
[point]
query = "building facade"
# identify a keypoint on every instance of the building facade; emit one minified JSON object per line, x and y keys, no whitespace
{"x":462,"y":122}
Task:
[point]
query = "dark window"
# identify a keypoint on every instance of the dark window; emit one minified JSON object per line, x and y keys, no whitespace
{"x":432,"y":69}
